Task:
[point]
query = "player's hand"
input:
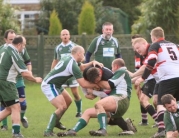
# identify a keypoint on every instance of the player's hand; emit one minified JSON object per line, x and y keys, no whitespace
{"x":38,"y":79}
{"x":97,"y":63}
{"x":138,"y":82}
{"x":175,"y":134}
{"x":90,"y":91}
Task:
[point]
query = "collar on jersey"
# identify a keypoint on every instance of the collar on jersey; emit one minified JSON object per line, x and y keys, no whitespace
{"x":160,"y":39}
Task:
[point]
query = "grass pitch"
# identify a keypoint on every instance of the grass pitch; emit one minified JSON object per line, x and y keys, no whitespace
{"x":39,"y":110}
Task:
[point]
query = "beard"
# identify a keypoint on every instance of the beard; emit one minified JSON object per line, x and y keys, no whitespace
{"x":107,"y":36}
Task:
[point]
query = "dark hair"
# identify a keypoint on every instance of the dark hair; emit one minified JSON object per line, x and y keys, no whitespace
{"x":18,"y":39}
{"x":92,"y":73}
{"x":136,"y":36}
{"x":7,"y":32}
{"x":166,"y":99}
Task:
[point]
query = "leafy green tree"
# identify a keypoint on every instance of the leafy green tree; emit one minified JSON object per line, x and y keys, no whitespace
{"x":68,"y":11}
{"x":109,"y":15}
{"x":55,"y":24}
{"x":163,"y":13}
{"x":8,"y":19}
{"x":128,"y":6}
{"x":87,"y":19}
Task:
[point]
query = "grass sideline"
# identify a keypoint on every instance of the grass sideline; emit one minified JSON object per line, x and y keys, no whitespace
{"x":39,"y":110}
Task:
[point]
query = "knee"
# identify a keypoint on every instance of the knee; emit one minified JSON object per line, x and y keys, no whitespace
{"x":97,"y":105}
{"x":23,"y":105}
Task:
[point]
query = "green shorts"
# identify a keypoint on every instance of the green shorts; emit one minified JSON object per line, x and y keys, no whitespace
{"x":71,"y":82}
{"x":122,"y":105}
{"x":8,"y":91}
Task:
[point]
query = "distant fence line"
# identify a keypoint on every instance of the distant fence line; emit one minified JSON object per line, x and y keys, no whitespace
{"x":41,"y":49}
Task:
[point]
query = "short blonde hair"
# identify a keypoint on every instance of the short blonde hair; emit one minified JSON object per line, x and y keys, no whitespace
{"x":137,"y":40}
{"x":157,"y":32}
{"x":119,"y":61}
{"x":76,"y":49}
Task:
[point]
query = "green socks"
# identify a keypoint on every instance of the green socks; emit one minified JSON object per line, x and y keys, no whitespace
{"x":79,"y":105}
{"x":51,"y":123}
{"x":15,"y":128}
{"x":102,"y":119}
{"x":80,"y":125}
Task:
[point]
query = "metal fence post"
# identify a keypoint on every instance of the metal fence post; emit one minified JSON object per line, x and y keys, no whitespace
{"x":40,"y":51}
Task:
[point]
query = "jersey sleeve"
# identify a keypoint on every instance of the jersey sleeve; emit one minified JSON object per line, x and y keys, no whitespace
{"x":116,"y":79}
{"x":55,"y":53}
{"x":76,"y":71}
{"x":92,"y":46}
{"x":118,"y":48}
{"x":168,"y":122}
{"x":26,"y":56}
{"x":18,"y":62}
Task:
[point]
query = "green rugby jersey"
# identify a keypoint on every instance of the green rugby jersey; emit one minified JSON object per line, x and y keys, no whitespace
{"x":63,"y":50}
{"x":11,"y":63}
{"x":19,"y":79}
{"x":65,"y":69}
{"x":171,"y":120}
{"x":104,"y":50}
{"x":121,"y":82}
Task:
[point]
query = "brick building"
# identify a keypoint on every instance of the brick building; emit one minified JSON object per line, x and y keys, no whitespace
{"x":28,"y":11}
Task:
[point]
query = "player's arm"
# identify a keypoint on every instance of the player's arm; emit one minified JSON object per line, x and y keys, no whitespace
{"x":55,"y":59}
{"x":54,"y":63}
{"x":94,"y":63}
{"x":104,"y":85}
{"x":118,"y":54}
{"x":85,"y":84}
{"x":28,"y":75}
{"x":139,"y":72}
{"x":172,"y":134}
{"x":90,"y":50}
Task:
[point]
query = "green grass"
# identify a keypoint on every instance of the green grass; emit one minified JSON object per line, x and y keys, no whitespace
{"x":39,"y":110}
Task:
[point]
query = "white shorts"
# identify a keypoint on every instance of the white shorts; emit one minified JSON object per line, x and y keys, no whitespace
{"x":50,"y":90}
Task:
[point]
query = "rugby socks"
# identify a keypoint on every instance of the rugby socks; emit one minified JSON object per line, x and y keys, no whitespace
{"x":160,"y":117}
{"x":23,"y":108}
{"x":16,"y":128}
{"x":120,"y":122}
{"x":79,"y":105}
{"x":51,"y":123}
{"x":150,"y":109}
{"x":80,"y":125}
{"x":144,"y":114}
{"x":102,"y":119}
{"x":4,"y":121}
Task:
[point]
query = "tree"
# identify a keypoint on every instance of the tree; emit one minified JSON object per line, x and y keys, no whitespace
{"x":163,"y":13}
{"x":128,"y":6}
{"x":109,"y":15}
{"x":87,"y":19}
{"x":8,"y":18}
{"x":68,"y":11}
{"x":55,"y":24}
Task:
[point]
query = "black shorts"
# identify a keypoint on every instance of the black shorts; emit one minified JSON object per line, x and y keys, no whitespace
{"x":156,"y":89}
{"x":148,"y":88}
{"x":170,"y":86}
